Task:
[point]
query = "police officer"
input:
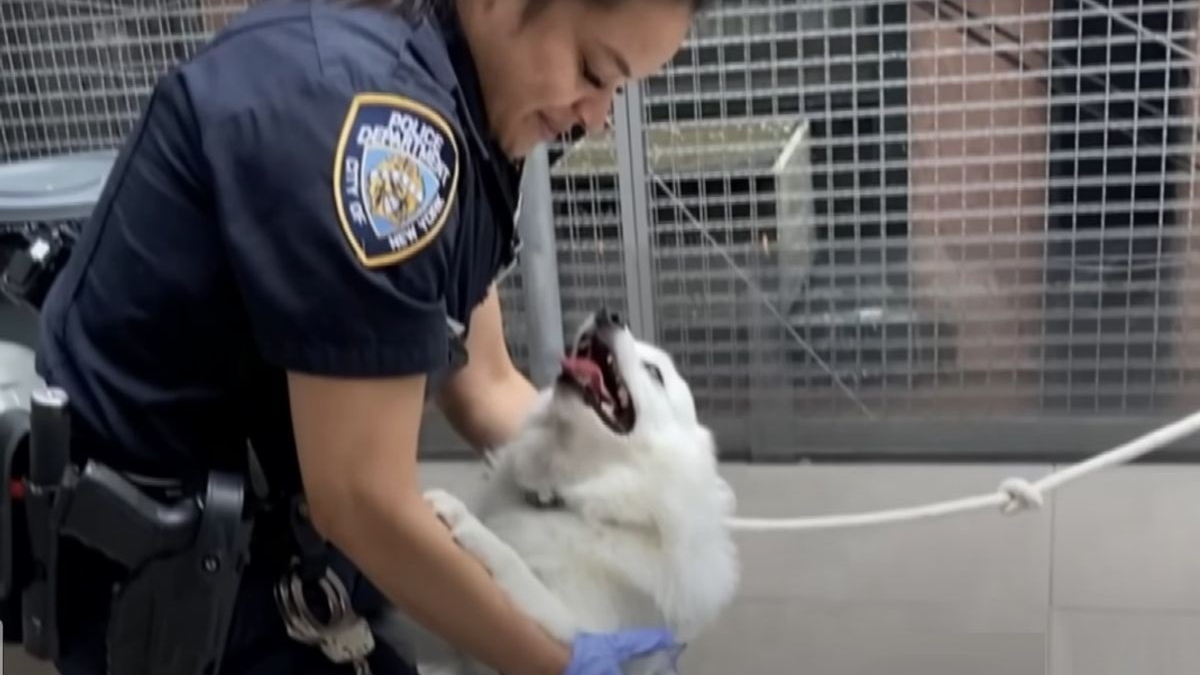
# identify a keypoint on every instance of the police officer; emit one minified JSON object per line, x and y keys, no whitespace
{"x":300,"y":238}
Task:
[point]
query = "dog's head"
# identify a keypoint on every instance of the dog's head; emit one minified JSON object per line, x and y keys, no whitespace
{"x":612,"y":384}
{"x":619,"y":407}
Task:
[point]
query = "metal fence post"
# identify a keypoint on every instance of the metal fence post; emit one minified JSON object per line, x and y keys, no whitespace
{"x":539,"y":269}
{"x":632,"y":175}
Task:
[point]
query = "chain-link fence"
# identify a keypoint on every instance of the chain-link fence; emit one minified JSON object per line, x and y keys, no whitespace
{"x":863,"y":227}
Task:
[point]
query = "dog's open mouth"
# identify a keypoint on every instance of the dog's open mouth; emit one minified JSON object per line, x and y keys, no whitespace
{"x":593,"y":370}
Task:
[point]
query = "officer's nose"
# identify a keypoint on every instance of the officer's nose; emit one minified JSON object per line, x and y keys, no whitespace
{"x":606,"y":318}
{"x":592,"y":112}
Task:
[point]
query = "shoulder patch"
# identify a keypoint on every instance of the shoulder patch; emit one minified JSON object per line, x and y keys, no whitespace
{"x":395,"y":177}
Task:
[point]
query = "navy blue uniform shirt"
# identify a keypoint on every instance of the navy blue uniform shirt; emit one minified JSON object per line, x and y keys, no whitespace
{"x":313,"y":191}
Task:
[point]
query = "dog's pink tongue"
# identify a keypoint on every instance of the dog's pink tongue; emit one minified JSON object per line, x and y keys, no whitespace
{"x":587,"y":372}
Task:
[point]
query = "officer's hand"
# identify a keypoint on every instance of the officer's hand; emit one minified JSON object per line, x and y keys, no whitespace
{"x":621,"y":653}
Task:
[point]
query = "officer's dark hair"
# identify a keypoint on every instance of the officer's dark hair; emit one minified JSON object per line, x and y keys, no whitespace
{"x":407,"y":8}
{"x":532,"y":7}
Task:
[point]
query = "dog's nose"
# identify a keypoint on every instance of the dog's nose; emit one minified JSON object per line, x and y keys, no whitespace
{"x":607,"y":318}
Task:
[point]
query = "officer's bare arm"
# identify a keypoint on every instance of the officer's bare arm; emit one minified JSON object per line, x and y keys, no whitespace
{"x":488,"y":399}
{"x":357,"y":445}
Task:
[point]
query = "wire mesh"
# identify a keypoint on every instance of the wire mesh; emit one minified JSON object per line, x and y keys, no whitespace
{"x":75,"y":73}
{"x":948,"y":209}
{"x":588,"y":228}
{"x":851,"y":210}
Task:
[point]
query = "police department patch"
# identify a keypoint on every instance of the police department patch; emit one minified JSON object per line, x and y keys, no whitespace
{"x":395,"y":177}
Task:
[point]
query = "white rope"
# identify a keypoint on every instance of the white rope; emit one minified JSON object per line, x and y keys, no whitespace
{"x":1014,"y":495}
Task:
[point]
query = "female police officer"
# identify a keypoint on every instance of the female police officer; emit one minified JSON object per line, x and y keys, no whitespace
{"x":307,"y":218}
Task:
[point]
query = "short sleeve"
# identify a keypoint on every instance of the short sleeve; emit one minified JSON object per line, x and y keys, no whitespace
{"x":338,"y":210}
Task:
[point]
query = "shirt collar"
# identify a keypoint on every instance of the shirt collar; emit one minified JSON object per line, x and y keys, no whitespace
{"x":462,"y":71}
{"x":468,"y":89}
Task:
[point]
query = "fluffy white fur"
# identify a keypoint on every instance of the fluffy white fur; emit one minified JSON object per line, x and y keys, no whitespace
{"x":639,"y":539}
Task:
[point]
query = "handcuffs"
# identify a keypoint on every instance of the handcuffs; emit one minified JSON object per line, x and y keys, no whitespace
{"x":345,"y":637}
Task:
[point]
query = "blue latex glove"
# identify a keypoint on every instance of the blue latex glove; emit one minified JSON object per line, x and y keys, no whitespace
{"x":611,"y":653}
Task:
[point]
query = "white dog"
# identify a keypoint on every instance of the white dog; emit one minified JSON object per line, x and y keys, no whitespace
{"x":607,"y":510}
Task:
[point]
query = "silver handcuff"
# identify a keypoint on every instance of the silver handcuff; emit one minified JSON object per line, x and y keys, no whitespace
{"x":346,"y":638}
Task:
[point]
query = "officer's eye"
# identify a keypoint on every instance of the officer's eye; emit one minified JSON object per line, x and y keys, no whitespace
{"x":591,"y":76}
{"x":654,"y":371}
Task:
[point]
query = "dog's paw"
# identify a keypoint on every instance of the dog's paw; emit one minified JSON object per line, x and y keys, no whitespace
{"x":475,"y":538}
{"x":449,"y":509}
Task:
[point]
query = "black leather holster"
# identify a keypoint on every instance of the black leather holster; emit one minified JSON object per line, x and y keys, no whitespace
{"x":181,"y":559}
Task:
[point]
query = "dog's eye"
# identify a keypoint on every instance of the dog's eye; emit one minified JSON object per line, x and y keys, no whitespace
{"x":654,"y":372}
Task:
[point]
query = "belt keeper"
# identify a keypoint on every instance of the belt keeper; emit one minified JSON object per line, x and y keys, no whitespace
{"x":311,"y":553}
